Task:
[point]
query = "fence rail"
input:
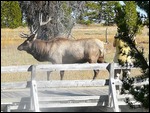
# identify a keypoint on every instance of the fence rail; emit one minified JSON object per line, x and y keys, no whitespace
{"x":112,"y":99}
{"x":53,"y":67}
{"x":14,"y":69}
{"x":59,"y":67}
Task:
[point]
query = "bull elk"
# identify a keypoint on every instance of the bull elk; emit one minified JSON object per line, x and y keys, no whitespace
{"x":64,"y":50}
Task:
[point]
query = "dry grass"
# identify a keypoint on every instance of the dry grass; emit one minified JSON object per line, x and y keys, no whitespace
{"x":11,"y":56}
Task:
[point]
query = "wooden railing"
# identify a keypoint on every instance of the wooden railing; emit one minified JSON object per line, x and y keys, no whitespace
{"x":58,"y":67}
{"x":112,"y":98}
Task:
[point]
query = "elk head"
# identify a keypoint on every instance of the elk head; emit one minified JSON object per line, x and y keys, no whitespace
{"x":26,"y":45}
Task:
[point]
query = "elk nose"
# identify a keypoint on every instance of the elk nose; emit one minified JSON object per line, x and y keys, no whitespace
{"x":19,"y":48}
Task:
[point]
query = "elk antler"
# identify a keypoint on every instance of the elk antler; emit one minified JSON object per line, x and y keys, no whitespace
{"x":23,"y":35}
{"x":41,"y":23}
{"x":35,"y":30}
{"x":40,"y":20}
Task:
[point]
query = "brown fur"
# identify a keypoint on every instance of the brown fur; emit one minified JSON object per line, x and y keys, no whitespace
{"x":65,"y":51}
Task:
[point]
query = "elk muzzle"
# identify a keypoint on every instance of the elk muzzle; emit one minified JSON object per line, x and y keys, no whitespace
{"x":20,"y":48}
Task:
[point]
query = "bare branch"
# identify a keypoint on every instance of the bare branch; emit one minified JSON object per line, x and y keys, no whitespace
{"x":41,"y":13}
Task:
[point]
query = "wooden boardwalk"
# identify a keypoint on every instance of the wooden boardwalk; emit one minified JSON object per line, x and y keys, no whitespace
{"x":53,"y":92}
{"x":21,"y":97}
{"x":18,"y":96}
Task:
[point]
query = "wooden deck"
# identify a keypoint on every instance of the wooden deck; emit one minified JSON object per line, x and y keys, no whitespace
{"x":49,"y":99}
{"x":21,"y":97}
{"x":53,"y":92}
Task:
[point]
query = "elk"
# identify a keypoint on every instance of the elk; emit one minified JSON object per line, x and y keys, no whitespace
{"x":64,"y":50}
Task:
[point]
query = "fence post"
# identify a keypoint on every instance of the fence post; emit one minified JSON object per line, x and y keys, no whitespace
{"x":31,"y":88}
{"x":112,"y":99}
{"x":34,"y":103}
{"x":111,"y":75}
{"x":106,"y":36}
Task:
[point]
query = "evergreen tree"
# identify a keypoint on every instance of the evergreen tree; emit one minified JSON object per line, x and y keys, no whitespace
{"x":129,"y":23}
{"x":94,"y":11}
{"x":144,"y":5}
{"x":98,"y":11}
{"x":10,"y":14}
{"x":108,"y":12}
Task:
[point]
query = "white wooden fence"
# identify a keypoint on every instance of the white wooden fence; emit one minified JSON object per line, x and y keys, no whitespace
{"x":58,"y":67}
{"x":112,"y":98}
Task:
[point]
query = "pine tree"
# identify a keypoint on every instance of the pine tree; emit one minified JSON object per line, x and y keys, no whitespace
{"x":10,"y":14}
{"x":129,"y":24}
{"x":144,"y":5}
{"x":108,"y":12}
{"x":99,"y":11}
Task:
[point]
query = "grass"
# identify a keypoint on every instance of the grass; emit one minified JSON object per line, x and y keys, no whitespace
{"x":10,"y":56}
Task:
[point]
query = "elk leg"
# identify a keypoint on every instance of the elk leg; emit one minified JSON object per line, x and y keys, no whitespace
{"x":101,"y":59}
{"x":48,"y":75}
{"x":95,"y":71}
{"x":95,"y":74}
{"x":61,"y":75}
